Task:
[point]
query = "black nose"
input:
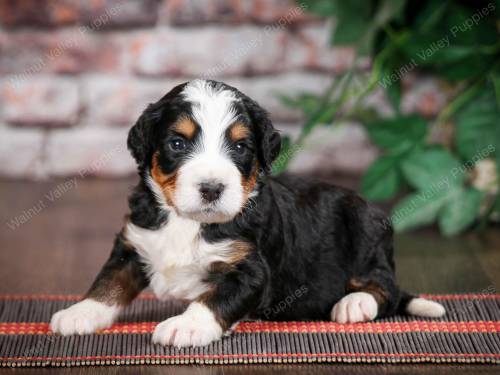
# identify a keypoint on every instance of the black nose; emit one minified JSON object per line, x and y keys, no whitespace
{"x":211,"y":191}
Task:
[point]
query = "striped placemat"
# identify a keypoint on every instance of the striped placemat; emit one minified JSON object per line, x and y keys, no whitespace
{"x":469,"y":333}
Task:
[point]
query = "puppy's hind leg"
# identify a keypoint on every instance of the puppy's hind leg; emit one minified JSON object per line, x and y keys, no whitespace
{"x":418,"y":306}
{"x":373,"y":296}
{"x":366,"y":305}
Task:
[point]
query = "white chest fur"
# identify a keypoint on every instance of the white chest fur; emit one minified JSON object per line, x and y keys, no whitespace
{"x":177,"y":257}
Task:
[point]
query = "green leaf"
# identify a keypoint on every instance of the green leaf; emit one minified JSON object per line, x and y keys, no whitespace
{"x":398,"y":134}
{"x":478,"y":126}
{"x":460,"y":211}
{"x":359,"y":21}
{"x":421,"y":47}
{"x":483,"y":32}
{"x":452,"y":54}
{"x":432,"y":168}
{"x":325,"y":8}
{"x":353,"y":21}
{"x":464,"y":69}
{"x":448,"y":39}
{"x":431,"y":15}
{"x":382,"y":180}
{"x":418,"y":209}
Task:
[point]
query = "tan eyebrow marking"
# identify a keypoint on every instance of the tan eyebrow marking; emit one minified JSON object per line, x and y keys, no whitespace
{"x":238,"y":132}
{"x":185,"y":127}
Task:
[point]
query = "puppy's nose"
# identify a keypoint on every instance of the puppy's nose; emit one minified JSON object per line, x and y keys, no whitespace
{"x":211,"y":191}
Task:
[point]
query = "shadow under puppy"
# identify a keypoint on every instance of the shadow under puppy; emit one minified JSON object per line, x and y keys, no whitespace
{"x":208,"y":225}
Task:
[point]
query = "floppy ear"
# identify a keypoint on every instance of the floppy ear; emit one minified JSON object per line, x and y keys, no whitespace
{"x":268,"y":139}
{"x":140,"y":138}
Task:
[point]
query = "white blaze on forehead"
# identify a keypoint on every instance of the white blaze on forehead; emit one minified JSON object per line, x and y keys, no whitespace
{"x":213,"y":110}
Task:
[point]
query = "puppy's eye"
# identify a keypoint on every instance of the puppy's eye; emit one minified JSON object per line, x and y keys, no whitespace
{"x":241,"y":148}
{"x":177,"y":144}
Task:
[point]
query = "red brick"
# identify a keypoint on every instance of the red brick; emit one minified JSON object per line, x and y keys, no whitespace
{"x":189,"y":12}
{"x":281,"y":12}
{"x":310,"y":49}
{"x":21,"y":152}
{"x":40,"y":101}
{"x":88,"y":151}
{"x":38,"y":12}
{"x":96,"y":14}
{"x":118,"y":13}
{"x":232,"y":51}
{"x":72,"y":51}
{"x":112,"y":101}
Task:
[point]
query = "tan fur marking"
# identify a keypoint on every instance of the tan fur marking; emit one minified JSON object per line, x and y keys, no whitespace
{"x":238,"y":132}
{"x":185,"y":127}
{"x":116,"y":286}
{"x":241,"y":250}
{"x":249,"y":184}
{"x":357,"y":285}
{"x":167,"y":182}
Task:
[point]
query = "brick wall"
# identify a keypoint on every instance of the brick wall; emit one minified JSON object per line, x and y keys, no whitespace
{"x":75,"y":75}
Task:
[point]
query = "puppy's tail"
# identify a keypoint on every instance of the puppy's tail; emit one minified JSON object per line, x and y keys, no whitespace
{"x":420,"y":306}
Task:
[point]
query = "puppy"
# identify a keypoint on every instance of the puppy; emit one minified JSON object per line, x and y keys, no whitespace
{"x":208,"y":224}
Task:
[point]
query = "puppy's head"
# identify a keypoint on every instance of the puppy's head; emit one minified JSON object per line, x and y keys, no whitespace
{"x":202,"y":148}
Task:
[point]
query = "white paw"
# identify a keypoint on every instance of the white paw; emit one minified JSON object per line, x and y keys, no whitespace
{"x":425,"y":308}
{"x":197,"y":326}
{"x":83,"y":317}
{"x":355,"y":307}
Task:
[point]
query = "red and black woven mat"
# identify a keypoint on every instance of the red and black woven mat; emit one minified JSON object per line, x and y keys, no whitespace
{"x":468,"y":333}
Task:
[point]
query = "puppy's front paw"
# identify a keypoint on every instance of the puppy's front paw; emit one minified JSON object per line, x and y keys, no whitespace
{"x":83,"y":317}
{"x":197,"y":326}
{"x":355,"y":307}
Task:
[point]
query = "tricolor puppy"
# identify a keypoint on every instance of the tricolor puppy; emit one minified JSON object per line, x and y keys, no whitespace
{"x":208,"y":225}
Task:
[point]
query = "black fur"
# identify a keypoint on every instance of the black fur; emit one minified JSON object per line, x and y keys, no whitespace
{"x":266,"y":136}
{"x":144,"y":210}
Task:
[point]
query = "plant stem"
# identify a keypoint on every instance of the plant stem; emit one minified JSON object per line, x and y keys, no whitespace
{"x":458,"y":102}
{"x":463,"y":97}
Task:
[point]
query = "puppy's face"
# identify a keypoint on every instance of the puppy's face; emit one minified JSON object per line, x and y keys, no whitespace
{"x":201,"y":149}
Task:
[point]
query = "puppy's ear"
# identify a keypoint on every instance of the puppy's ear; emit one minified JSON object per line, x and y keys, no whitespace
{"x":268,"y":139}
{"x":142,"y":137}
{"x":140,"y":141}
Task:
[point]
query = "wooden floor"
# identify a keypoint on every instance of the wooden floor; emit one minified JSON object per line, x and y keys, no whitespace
{"x":56,"y":235}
